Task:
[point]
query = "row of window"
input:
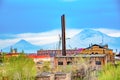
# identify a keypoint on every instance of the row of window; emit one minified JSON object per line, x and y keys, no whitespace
{"x":69,"y":63}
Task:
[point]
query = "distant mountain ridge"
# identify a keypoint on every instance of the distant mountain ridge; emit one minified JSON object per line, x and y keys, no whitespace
{"x":81,"y":40}
{"x":23,"y":45}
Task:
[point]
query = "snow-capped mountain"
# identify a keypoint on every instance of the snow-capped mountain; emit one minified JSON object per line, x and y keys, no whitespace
{"x":23,"y":45}
{"x":87,"y":37}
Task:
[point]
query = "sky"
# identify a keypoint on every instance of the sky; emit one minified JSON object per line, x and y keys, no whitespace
{"x":25,"y":19}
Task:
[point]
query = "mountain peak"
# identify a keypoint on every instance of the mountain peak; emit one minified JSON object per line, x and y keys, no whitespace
{"x":90,"y":31}
{"x":90,"y":36}
{"x":22,"y":41}
{"x":87,"y":29}
{"x":87,"y":33}
{"x":23,"y":45}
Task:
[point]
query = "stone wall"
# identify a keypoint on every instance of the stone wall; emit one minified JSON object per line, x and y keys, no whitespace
{"x":55,"y":76}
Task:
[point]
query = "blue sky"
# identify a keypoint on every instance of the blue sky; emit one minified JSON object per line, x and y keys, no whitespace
{"x":21,"y":16}
{"x":38,"y":21}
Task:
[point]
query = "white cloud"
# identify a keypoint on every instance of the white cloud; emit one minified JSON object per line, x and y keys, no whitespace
{"x":110,"y":32}
{"x":38,"y":38}
{"x":46,"y":37}
{"x":50,"y":36}
{"x":7,"y":42}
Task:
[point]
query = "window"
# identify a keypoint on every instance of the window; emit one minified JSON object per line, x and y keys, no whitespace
{"x":92,"y":53}
{"x":0,"y":61}
{"x":69,"y":63}
{"x":39,"y":62}
{"x":96,"y":53}
{"x":98,"y":62}
{"x":60,"y":63}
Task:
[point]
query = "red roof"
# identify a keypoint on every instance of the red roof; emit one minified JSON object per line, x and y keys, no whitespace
{"x":37,"y":56}
{"x":12,"y":54}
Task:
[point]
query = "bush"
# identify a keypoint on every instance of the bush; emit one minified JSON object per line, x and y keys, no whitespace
{"x":18,"y":68}
{"x":110,"y":72}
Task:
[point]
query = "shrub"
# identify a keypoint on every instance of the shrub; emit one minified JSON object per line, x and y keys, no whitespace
{"x":18,"y":68}
{"x":110,"y":72}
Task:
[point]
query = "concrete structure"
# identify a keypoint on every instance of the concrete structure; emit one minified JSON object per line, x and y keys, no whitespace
{"x":100,"y":49}
{"x":59,"y":52}
{"x":45,"y":76}
{"x":62,"y":76}
{"x":99,"y":52}
{"x":99,"y":55}
{"x":55,"y":76}
{"x":97,"y":60}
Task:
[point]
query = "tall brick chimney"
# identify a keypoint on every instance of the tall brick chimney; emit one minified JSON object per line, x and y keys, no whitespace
{"x":63,"y":35}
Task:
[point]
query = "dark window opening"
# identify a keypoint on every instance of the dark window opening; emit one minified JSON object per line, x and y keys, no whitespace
{"x":0,"y":61}
{"x":60,"y":63}
{"x":96,"y":53}
{"x":98,"y":62}
{"x":39,"y":62}
{"x":69,"y":63}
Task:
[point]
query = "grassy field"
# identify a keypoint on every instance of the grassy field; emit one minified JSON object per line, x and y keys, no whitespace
{"x":17,"y":68}
{"x":110,"y":72}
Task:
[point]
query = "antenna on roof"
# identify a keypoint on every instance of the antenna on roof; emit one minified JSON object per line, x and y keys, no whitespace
{"x":59,"y":44}
{"x":102,"y":39}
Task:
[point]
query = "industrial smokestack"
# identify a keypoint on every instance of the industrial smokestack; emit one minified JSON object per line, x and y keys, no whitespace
{"x":63,"y":35}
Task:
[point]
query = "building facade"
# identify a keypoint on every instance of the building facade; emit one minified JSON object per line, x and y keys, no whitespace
{"x":100,"y":49}
{"x":96,"y":56}
{"x":94,"y":51}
